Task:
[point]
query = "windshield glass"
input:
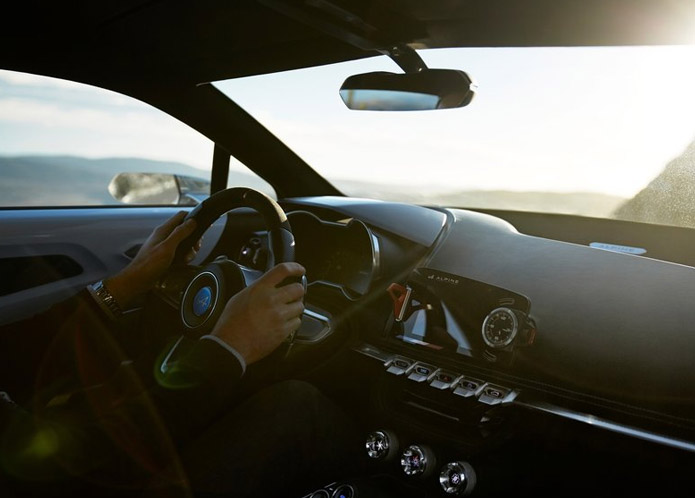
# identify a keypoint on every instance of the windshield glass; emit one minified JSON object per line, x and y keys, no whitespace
{"x":602,"y":131}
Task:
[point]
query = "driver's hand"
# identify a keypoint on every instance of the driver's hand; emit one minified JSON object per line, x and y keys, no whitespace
{"x":152,"y":260}
{"x":256,"y":320}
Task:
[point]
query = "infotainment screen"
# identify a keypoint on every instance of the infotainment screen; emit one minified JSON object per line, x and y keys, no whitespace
{"x":451,"y":313}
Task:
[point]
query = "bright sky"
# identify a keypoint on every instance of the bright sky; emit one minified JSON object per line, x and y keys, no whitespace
{"x":555,"y":119}
{"x":40,"y":115}
{"x":579,"y":119}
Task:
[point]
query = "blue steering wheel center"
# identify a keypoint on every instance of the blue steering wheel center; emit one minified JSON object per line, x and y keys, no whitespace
{"x":202,"y":301}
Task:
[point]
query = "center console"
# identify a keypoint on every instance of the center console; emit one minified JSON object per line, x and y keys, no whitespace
{"x":433,"y":411}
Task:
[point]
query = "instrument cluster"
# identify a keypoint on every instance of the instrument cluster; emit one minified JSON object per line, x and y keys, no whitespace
{"x":342,"y":254}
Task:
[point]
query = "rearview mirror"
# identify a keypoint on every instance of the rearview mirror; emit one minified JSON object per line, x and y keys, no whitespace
{"x":424,"y":90}
{"x":158,"y":188}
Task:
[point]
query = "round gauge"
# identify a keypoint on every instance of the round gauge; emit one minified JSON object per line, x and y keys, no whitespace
{"x":500,"y":328}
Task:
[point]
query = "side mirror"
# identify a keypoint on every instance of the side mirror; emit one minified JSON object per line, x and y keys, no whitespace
{"x":158,"y":188}
{"x":427,"y":89}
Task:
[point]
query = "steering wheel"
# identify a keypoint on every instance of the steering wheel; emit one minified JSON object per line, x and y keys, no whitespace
{"x":209,"y":290}
{"x":211,"y":286}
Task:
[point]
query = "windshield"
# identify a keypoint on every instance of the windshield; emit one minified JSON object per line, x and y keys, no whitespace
{"x":603,"y":132}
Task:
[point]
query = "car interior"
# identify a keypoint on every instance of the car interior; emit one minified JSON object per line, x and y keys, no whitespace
{"x":480,"y":351}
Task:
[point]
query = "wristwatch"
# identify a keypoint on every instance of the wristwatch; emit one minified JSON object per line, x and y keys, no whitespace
{"x":105,"y":299}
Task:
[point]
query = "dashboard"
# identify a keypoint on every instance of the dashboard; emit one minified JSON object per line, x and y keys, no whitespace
{"x":463,"y":326}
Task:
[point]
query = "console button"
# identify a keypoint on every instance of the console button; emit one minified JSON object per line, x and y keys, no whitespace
{"x":421,"y":372}
{"x":398,"y":365}
{"x":444,"y":380}
{"x":467,"y":387}
{"x":493,"y":395}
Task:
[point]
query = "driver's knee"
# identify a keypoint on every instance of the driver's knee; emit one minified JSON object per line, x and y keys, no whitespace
{"x":289,"y":428}
{"x":296,"y":408}
{"x":314,"y":422}
{"x":292,"y":392}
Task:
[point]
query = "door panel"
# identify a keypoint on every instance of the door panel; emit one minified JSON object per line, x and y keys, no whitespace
{"x":97,"y":240}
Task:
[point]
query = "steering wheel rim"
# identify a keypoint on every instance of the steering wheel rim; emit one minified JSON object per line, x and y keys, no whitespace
{"x":275,"y":219}
{"x":208,"y":291}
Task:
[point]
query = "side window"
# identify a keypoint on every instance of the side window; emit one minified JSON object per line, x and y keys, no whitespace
{"x":63,"y":143}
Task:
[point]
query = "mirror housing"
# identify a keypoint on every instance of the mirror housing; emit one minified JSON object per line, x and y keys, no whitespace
{"x":427,"y":89}
{"x":159,"y":188}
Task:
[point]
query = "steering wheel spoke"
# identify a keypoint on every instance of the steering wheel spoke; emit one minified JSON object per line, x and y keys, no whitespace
{"x":171,"y":287}
{"x":250,"y":274}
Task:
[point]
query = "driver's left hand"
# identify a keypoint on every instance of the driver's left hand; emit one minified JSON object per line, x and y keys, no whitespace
{"x":152,"y":260}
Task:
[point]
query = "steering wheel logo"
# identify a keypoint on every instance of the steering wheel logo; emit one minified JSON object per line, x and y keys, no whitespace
{"x":202,"y":301}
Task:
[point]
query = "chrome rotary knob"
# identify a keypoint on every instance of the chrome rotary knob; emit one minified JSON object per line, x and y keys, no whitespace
{"x":381,"y":445}
{"x":417,"y":460}
{"x":457,"y":478}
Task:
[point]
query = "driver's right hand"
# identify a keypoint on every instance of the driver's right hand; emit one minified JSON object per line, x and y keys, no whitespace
{"x":256,"y":320}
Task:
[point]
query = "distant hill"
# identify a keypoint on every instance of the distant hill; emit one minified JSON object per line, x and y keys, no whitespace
{"x":71,"y":180}
{"x":579,"y":203}
{"x":669,"y":199}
